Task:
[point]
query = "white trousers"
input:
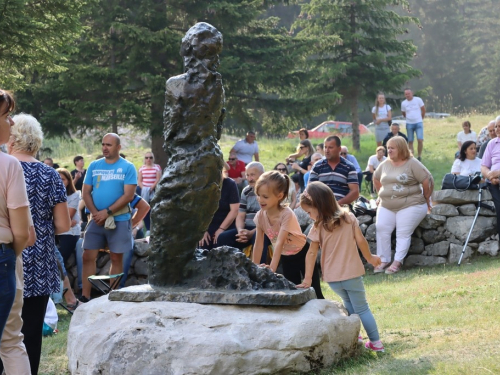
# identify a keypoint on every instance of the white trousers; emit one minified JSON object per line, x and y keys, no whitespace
{"x":405,"y":221}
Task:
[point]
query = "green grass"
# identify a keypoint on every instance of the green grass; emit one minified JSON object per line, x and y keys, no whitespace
{"x":442,"y":320}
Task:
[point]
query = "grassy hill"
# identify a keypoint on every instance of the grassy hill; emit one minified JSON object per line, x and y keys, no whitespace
{"x":441,"y":320}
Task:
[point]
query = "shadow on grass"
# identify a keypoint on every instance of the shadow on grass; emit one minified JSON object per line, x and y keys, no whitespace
{"x":378,"y":363}
{"x":477,"y":264}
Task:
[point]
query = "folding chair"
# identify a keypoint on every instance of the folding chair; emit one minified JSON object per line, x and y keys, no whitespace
{"x":98,"y":281}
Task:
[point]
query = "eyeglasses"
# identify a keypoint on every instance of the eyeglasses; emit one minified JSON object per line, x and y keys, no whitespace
{"x":343,"y":153}
{"x":281,"y":169}
{"x":301,"y":147}
{"x":148,"y":157}
{"x":232,"y":159}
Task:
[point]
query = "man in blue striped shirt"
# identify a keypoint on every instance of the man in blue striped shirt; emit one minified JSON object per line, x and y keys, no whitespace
{"x":336,"y":172}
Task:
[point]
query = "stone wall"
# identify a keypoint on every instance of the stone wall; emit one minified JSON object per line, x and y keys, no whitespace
{"x":439,"y":238}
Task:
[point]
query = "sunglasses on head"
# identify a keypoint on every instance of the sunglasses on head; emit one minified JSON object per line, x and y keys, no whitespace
{"x":148,"y":157}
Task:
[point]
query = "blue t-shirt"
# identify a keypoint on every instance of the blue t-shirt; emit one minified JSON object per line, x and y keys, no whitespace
{"x":108,"y":182}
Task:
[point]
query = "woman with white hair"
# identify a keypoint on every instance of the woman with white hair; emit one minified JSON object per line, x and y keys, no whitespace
{"x":47,"y":199}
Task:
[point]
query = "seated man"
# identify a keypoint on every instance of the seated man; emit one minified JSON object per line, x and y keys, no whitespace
{"x":337,"y":173}
{"x":244,"y":234}
{"x":344,"y":152}
{"x":490,"y":135}
{"x":394,"y":132}
{"x":237,"y":171}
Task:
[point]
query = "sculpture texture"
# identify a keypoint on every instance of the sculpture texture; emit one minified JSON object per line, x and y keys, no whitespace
{"x":189,"y":190}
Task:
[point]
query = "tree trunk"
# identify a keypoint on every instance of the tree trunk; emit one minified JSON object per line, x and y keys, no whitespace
{"x":157,"y":104}
{"x":355,"y":120}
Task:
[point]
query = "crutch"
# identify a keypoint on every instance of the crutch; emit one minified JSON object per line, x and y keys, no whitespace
{"x":479,"y":206}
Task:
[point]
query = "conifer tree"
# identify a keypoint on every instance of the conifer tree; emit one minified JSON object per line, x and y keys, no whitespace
{"x":370,"y":56}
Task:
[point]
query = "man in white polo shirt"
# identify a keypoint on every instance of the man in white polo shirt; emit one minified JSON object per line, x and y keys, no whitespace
{"x":414,"y":110}
{"x":246,"y":149}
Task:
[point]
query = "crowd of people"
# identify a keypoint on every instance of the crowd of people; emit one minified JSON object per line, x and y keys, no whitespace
{"x":48,"y":214}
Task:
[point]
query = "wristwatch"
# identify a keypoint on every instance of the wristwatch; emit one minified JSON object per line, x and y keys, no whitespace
{"x":109,"y":212}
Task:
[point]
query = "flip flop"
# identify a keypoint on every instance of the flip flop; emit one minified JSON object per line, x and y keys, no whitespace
{"x":380,"y":268}
{"x":393,"y":269}
{"x":73,"y":307}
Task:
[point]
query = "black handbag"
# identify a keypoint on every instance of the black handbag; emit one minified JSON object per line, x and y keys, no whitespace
{"x":461,"y":183}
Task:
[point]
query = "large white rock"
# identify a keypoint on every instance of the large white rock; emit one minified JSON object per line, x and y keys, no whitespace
{"x":176,"y":338}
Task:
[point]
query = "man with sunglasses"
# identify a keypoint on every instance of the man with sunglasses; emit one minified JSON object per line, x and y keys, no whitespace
{"x":237,"y":171}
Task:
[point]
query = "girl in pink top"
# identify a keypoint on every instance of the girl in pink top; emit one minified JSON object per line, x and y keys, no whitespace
{"x":281,"y":226}
{"x":337,"y":233}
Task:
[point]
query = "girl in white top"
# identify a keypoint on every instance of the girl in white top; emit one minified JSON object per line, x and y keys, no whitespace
{"x":382,"y":114}
{"x":466,"y":135}
{"x":467,"y":163}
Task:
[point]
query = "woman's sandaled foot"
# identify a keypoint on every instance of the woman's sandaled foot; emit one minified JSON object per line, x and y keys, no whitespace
{"x":381,"y":268}
{"x":72,"y":307}
{"x":394,"y":268}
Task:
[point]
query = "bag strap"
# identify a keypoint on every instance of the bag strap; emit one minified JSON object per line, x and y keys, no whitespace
{"x":457,"y":189}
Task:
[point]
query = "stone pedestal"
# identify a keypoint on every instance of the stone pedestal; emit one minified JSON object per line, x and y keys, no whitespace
{"x":158,"y":338}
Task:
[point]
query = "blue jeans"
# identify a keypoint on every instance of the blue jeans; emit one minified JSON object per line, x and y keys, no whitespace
{"x":79,"y":261}
{"x":353,"y":295}
{"x":415,"y":128}
{"x":7,"y":282}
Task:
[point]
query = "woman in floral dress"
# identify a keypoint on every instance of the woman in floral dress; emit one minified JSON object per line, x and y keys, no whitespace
{"x":404,"y":187}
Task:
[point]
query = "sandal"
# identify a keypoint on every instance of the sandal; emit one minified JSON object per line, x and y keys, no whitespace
{"x":393,"y":269}
{"x":380,"y":268}
{"x":73,"y":307}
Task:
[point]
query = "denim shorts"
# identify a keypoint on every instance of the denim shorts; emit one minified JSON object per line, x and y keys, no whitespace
{"x":118,"y":240}
{"x":415,"y":128}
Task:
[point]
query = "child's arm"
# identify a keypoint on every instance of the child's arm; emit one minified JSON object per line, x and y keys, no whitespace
{"x":374,"y":260}
{"x":258,"y":246}
{"x":278,"y":248}
{"x":312,"y":253}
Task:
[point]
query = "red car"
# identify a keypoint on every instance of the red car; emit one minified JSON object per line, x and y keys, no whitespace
{"x":339,"y":128}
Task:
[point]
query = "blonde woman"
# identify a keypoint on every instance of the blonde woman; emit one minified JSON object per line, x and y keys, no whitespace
{"x":148,"y":178}
{"x":382,"y":114}
{"x":404,"y":187}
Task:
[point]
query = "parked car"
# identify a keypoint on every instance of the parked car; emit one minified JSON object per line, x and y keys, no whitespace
{"x":437,"y":115}
{"x":339,"y":128}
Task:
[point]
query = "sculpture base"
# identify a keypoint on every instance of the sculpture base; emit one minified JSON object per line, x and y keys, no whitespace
{"x":158,"y":338}
{"x":149,"y":293}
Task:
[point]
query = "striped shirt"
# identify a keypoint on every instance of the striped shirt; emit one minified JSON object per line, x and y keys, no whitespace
{"x":249,"y":205}
{"x":149,"y":174}
{"x":336,"y":179}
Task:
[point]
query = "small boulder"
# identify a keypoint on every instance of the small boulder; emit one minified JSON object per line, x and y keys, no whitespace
{"x":371,"y":233}
{"x":422,"y":260}
{"x":141,"y":267}
{"x":141,"y":248}
{"x":444,"y":210}
{"x":365,"y":219}
{"x":456,"y":197}
{"x":489,"y":247}
{"x":432,"y":236}
{"x":460,"y":226}
{"x":456,"y":252}
{"x":432,"y":221}
{"x":363,"y":228}
{"x":438,"y":249}
{"x":416,"y":246}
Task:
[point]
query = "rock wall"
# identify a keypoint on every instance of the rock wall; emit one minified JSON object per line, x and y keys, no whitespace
{"x":441,"y":236}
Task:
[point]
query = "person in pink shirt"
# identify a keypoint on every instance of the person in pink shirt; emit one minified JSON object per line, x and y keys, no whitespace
{"x":338,"y":234}
{"x":490,"y":168}
{"x":148,"y":178}
{"x":280,"y":225}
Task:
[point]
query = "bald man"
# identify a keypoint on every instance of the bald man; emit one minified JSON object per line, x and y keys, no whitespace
{"x":489,"y":136}
{"x":108,"y":188}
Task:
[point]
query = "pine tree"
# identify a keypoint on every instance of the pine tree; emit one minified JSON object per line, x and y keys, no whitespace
{"x":370,"y":56}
